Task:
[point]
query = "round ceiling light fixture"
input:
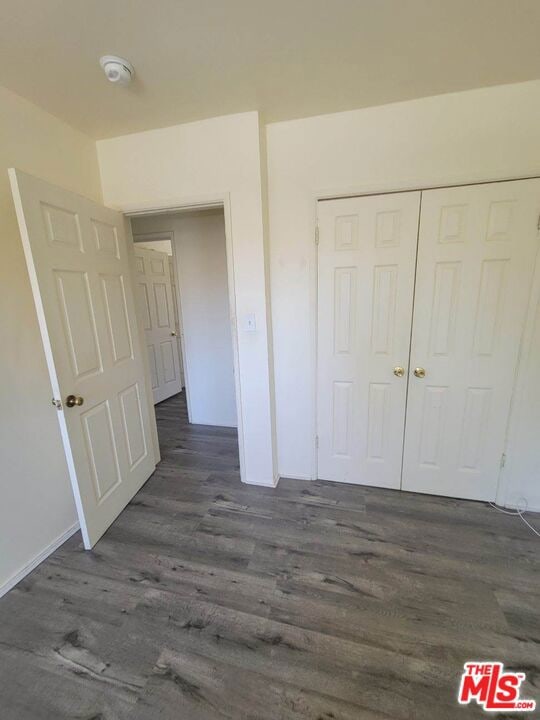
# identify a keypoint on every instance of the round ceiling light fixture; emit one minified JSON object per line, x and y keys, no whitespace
{"x":116,"y":69}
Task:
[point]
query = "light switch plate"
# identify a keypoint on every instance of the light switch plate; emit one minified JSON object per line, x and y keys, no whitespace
{"x":249,"y":324}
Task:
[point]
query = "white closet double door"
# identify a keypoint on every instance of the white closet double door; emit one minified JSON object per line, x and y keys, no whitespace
{"x":422,"y":299}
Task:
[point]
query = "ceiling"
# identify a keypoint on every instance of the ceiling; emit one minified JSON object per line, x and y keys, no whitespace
{"x":286,"y":58}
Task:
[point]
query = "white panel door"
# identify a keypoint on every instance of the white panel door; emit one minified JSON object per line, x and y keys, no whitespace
{"x":157,"y":308}
{"x":81,"y":280}
{"x":367,"y":252}
{"x":175,"y":296}
{"x":476,"y":254}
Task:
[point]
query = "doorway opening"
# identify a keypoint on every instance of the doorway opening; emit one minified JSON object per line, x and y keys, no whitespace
{"x":183,"y":300}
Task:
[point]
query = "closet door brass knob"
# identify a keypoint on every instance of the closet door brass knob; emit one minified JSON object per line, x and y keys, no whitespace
{"x":419,"y":372}
{"x":399,"y":371}
{"x":73,"y":400}
{"x":173,"y":334}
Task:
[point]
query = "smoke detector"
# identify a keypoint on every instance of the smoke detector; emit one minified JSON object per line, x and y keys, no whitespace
{"x":116,"y":69}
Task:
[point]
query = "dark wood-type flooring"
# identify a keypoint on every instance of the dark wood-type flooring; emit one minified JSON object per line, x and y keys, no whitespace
{"x":211,"y":599}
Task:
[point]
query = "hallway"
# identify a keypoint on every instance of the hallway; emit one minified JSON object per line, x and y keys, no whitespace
{"x":211,"y":599}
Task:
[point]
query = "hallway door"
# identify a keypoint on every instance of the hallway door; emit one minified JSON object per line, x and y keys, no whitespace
{"x":157,"y":309}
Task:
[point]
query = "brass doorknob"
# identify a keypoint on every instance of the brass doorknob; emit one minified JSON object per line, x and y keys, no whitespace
{"x":419,"y":372}
{"x":73,"y":400}
{"x":399,"y":371}
{"x":173,"y":333}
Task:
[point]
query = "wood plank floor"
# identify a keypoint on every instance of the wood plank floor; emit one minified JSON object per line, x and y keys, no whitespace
{"x":211,"y":599}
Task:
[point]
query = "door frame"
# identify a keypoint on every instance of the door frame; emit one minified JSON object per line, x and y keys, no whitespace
{"x":384,"y":188}
{"x":204,"y":202}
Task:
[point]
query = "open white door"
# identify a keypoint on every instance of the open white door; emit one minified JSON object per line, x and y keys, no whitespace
{"x":80,"y":274}
{"x":156,"y":303}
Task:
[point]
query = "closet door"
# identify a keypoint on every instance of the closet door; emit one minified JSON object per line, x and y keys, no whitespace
{"x":476,"y":253}
{"x":367,"y":251}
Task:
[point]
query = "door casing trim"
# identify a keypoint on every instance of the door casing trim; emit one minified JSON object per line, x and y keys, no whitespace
{"x":193,"y":203}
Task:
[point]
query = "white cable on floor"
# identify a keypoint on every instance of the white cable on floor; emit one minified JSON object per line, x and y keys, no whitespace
{"x":519,"y":513}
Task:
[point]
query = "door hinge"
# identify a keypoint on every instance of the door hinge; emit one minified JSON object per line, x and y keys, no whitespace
{"x":317,"y":441}
{"x":57,"y":403}
{"x":503,"y":460}
{"x":538,"y":223}
{"x":317,"y":234}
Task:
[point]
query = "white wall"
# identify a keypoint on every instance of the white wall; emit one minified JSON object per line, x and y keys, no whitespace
{"x":204,"y":297}
{"x":484,"y":134}
{"x":36,"y":501}
{"x":199,"y":240}
{"x":200,"y":161}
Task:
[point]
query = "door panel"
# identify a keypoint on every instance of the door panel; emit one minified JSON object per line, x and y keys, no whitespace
{"x":179,"y":339}
{"x":145,"y":303}
{"x":168,"y":361}
{"x":106,"y":238}
{"x":476,"y":254}
{"x":367,"y":252}
{"x":156,"y":307}
{"x":101,"y":448}
{"x":114,"y":298}
{"x":153,"y":366}
{"x":133,"y":424}
{"x":79,"y":322}
{"x":80,"y":274}
{"x":162,"y":305}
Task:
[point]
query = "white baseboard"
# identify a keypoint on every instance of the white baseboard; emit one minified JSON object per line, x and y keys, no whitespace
{"x":296,"y":476}
{"x":519,"y":506}
{"x":283,"y":477}
{"x":43,"y":555}
{"x":271,"y":484}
